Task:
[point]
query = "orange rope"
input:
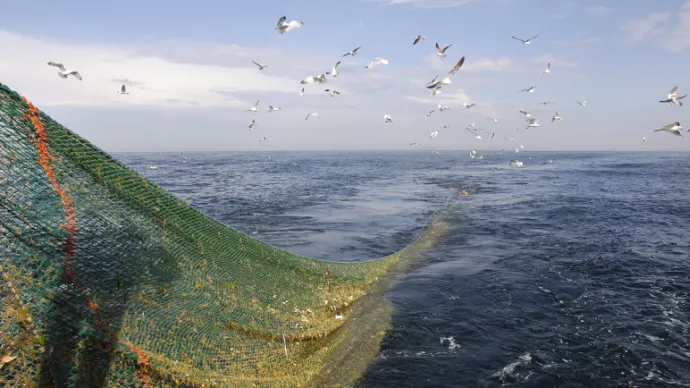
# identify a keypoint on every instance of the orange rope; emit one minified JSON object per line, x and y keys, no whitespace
{"x":144,"y":366}
{"x":70,"y":224}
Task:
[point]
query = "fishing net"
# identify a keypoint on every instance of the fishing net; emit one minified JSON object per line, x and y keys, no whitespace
{"x":108,"y":280}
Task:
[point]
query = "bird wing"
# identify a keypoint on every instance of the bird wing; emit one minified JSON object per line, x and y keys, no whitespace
{"x":432,"y":81}
{"x":417,"y":39}
{"x":336,"y":66}
{"x":673,"y":91}
{"x":534,"y":37}
{"x":548,"y":65}
{"x":58,"y":65}
{"x":346,"y":54}
{"x":294,"y":24}
{"x":76,"y":74}
{"x":281,"y":21}
{"x":446,"y":48}
{"x":257,"y":104}
{"x":455,"y":68}
{"x":336,"y":92}
{"x":518,"y":39}
{"x":355,"y":50}
{"x":438,"y":48}
{"x":668,"y":126}
{"x":123,"y":89}
{"x":307,"y":80}
{"x":256,"y":64}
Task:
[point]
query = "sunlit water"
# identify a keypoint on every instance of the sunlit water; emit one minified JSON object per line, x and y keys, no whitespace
{"x":573,"y":273}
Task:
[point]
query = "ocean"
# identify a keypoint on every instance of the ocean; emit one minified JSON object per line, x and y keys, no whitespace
{"x":569,"y":273}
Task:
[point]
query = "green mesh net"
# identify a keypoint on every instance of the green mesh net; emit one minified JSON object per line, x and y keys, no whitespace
{"x":108,"y":280}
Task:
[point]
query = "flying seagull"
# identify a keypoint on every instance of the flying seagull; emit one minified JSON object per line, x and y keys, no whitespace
{"x":334,"y":72}
{"x":556,"y":117}
{"x":123,"y":90}
{"x":376,"y":61}
{"x":387,"y":119}
{"x":283,"y":26}
{"x":673,"y":128}
{"x":58,"y":65}
{"x":255,"y":108}
{"x":548,"y":68}
{"x":446,"y":80}
{"x":432,"y":81}
{"x":441,"y":52}
{"x":301,"y":93}
{"x":472,"y":131}
{"x":545,"y":103}
{"x":583,"y":103}
{"x":468,"y":105}
{"x":415,"y":144}
{"x":532,"y":122}
{"x":263,"y":139}
{"x":673,"y":97}
{"x":436,"y":92}
{"x":492,"y":119}
{"x":430,"y":112}
{"x":433,"y":134}
{"x":528,"y":90}
{"x":261,"y":67}
{"x":312,"y":114}
{"x":528,"y":41}
{"x":527,"y":114}
{"x":252,"y":125}
{"x":418,"y":38}
{"x":64,"y":74}
{"x":272,"y":108}
{"x":352,"y":52}
{"x":644,"y":139}
{"x":332,"y":92}
{"x":321,"y":78}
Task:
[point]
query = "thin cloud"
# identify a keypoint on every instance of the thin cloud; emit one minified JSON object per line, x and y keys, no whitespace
{"x":597,"y":9}
{"x":576,"y":42}
{"x":557,"y":62}
{"x":673,"y":39}
{"x":638,"y":30}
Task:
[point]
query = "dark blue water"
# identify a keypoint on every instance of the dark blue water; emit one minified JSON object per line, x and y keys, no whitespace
{"x":574,"y":273}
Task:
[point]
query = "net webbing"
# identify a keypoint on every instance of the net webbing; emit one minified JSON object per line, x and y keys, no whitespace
{"x":108,"y":280}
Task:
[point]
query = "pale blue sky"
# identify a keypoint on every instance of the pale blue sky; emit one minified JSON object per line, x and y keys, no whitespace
{"x":188,"y":66}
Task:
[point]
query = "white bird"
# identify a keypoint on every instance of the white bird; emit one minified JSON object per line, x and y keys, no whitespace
{"x":673,"y":128}
{"x":301,"y":93}
{"x":441,"y":52}
{"x":492,"y":119}
{"x":430,"y":112}
{"x":64,"y":74}
{"x":418,"y":38}
{"x":185,"y":157}
{"x":312,"y":114}
{"x":556,"y":117}
{"x":517,"y":151}
{"x":433,"y":134}
{"x":644,"y":139}
{"x":583,"y":103}
{"x":473,"y":132}
{"x":532,"y":122}
{"x":673,"y":97}
{"x":548,"y":68}
{"x":468,"y":126}
{"x":263,"y":139}
{"x":432,"y":81}
{"x":468,"y":105}
{"x":58,"y":65}
{"x":283,"y":26}
{"x":436,"y":92}
{"x":261,"y":67}
{"x":272,"y":108}
{"x":153,"y":167}
{"x":447,"y":79}
{"x":123,"y":90}
{"x":334,"y":72}
{"x":352,"y":52}
{"x":321,"y":78}
{"x":527,"y":114}
{"x":253,"y":125}
{"x":332,"y":92}
{"x":516,"y":163}
{"x":527,"y":41}
{"x":375,"y":62}
{"x":255,"y":108}
{"x":545,"y":103}
{"x":501,"y":153}
{"x":387,"y":119}
{"x":441,"y":108}
{"x":415,"y":144}
{"x":528,"y":90}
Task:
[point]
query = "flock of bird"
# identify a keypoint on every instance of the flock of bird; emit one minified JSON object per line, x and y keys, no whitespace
{"x":435,"y":86}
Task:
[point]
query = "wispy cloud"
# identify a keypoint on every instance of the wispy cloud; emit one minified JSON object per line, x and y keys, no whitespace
{"x":652,"y":28}
{"x":640,"y":29}
{"x":556,"y":62}
{"x":597,"y":9}
{"x":423,"y":3}
{"x":576,"y":42}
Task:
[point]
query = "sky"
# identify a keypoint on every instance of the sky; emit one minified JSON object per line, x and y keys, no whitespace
{"x":189,"y":72}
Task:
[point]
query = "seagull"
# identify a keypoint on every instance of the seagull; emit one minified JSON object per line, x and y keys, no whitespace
{"x":446,"y":79}
{"x":432,"y":81}
{"x":516,"y":163}
{"x":528,"y":41}
{"x":255,"y":108}
{"x":673,"y":128}
{"x":433,"y":134}
{"x":321,"y":78}
{"x":376,"y":61}
{"x":332,"y":92}
{"x":556,"y":117}
{"x":522,"y":147}
{"x":583,"y":103}
{"x":430,"y":112}
{"x":492,"y":119}
{"x":58,"y":65}
{"x":261,"y":67}
{"x":352,"y":52}
{"x":442,"y":52}
{"x":418,"y":38}
{"x":673,"y":97}
{"x":436,"y":92}
{"x":644,"y":139}
{"x":548,"y":68}
{"x":263,"y":139}
{"x":527,"y":114}
{"x":468,"y":126}
{"x":528,"y":90}
{"x":153,"y":167}
{"x":441,"y":108}
{"x":301,"y":93}
{"x":387,"y":119}
{"x":468,"y":105}
{"x":185,"y":157}
{"x":123,"y":90}
{"x":517,"y":151}
{"x":252,"y":125}
{"x":415,"y":144}
{"x":501,"y":153}
{"x":284,"y":27}
{"x":334,"y":72}
{"x":532,"y":122}
{"x":64,"y":74}
{"x":545,"y":103}
{"x":473,"y":132}
{"x":312,"y":114}
{"x":272,"y":108}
